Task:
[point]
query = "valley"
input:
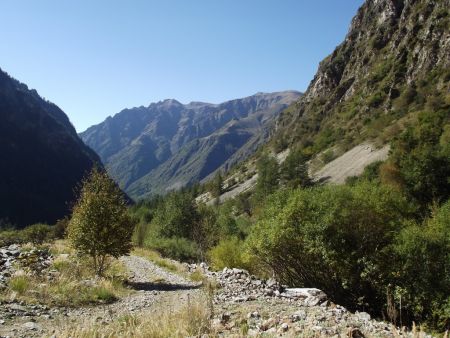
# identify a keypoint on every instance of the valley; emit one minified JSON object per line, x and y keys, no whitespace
{"x":321,"y":213}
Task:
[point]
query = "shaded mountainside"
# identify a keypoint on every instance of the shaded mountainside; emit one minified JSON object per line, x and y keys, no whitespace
{"x":168,"y":145}
{"x":393,"y":63}
{"x":43,"y":158}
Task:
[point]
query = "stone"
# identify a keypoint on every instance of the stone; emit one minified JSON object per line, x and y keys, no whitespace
{"x":254,"y":314}
{"x":267,"y":324}
{"x":271,"y":331}
{"x":363,"y":316}
{"x":31,"y":326}
{"x":298,"y":315}
{"x":284,"y":327}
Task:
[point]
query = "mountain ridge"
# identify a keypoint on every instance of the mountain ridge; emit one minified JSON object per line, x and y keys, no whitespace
{"x":44,"y":159}
{"x":169,"y":139}
{"x":394,"y":56}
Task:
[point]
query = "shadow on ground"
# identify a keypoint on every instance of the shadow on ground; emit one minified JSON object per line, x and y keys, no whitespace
{"x":161,"y":286}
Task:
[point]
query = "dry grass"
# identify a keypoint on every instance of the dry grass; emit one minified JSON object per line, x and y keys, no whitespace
{"x":190,"y":320}
{"x":71,"y":282}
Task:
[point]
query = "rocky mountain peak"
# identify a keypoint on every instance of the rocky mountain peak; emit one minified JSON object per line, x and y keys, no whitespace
{"x":169,"y":144}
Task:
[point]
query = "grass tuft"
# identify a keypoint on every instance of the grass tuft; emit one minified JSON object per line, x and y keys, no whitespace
{"x":19,"y":284}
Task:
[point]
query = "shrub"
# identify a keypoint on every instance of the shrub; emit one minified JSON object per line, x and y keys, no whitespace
{"x":39,"y":233}
{"x":336,"y":238}
{"x":423,"y":260}
{"x":60,"y":228}
{"x":174,"y":216}
{"x":422,"y":161}
{"x":230,"y":253}
{"x":140,"y":233}
{"x":178,"y":248}
{"x":8,"y":237}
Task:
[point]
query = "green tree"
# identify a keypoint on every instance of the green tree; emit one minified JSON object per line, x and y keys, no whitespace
{"x":422,"y":156}
{"x":100,"y":225}
{"x":175,"y":216}
{"x":268,"y":174}
{"x":216,"y":185}
{"x":294,"y":170}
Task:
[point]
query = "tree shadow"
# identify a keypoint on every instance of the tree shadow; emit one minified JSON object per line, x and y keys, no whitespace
{"x":160,"y":286}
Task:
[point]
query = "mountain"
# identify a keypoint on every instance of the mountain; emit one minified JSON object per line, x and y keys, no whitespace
{"x":43,"y":158}
{"x":168,"y":145}
{"x":393,"y":64}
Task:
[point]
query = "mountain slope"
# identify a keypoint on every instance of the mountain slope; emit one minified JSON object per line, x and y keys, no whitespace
{"x":393,"y":63}
{"x":43,"y":158}
{"x":168,"y":145}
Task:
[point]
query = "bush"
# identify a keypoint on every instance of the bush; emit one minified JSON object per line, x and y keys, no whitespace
{"x":423,"y":163}
{"x":36,"y":234}
{"x":423,"y":259}
{"x":39,"y":233}
{"x":178,"y":248}
{"x":336,"y":238}
{"x":174,"y":216}
{"x":60,"y":228}
{"x":228,"y":253}
{"x":8,"y":237}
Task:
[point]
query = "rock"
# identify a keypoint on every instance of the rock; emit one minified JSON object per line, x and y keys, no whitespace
{"x":254,"y":314}
{"x":363,"y":316}
{"x":284,"y":327}
{"x":298,"y":315}
{"x":271,"y":331}
{"x":31,"y":326}
{"x":17,"y":307}
{"x":312,"y":301}
{"x":267,"y":324}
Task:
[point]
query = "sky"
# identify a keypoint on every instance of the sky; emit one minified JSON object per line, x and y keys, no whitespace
{"x":94,"y":58}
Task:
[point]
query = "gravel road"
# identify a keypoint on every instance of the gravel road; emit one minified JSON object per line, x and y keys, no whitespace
{"x":154,"y":286}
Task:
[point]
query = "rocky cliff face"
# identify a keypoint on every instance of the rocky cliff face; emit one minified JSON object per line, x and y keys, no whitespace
{"x":168,"y":145}
{"x":395,"y":56}
{"x":43,"y":158}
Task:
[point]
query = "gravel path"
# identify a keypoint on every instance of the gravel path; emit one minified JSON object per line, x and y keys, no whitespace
{"x":153,"y":284}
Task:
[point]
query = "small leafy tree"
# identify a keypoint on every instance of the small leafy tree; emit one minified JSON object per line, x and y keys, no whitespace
{"x":216,"y":185}
{"x":268,"y":176}
{"x":294,"y":170}
{"x":100,"y":225}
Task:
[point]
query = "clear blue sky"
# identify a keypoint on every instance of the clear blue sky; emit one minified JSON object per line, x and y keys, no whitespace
{"x":95,"y":57}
